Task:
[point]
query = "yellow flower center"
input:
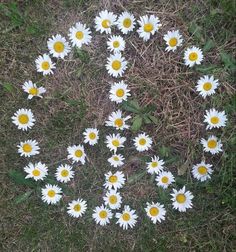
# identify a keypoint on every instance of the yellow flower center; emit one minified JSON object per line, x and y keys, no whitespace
{"x":58,"y":47}
{"x":154,"y":164}
{"x":106,"y":23}
{"x":164,"y":180}
{"x":27,"y":148}
{"x":79,"y":35}
{"x":119,"y":122}
{"x":92,"y":135}
{"x":120,"y":92}
{"x":64,"y":173}
{"x":154,"y":211}
{"x":193,"y":56}
{"x":126,"y":216}
{"x":142,"y":141}
{"x":51,"y":193}
{"x":116,"y":44}
{"x":45,"y":65}
{"x":33,"y":91}
{"x":23,"y":119}
{"x":77,"y":207}
{"x":215,"y":120}
{"x":127,"y":22}
{"x":78,"y":153}
{"x":113,"y":199}
{"x":173,"y":42}
{"x":116,"y":143}
{"x":181,"y":198}
{"x":103,"y":214}
{"x":207,"y":86}
{"x":148,"y":27}
{"x":113,"y":179}
{"x":116,"y":65}
{"x":202,"y":170}
{"x":212,"y":144}
{"x":36,"y":172}
{"x":116,"y":158}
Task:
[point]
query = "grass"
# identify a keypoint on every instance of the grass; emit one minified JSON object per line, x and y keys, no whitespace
{"x":169,"y":110}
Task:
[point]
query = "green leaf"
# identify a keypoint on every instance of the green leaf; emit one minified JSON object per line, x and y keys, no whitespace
{"x":137,"y":123}
{"x":23,"y":197}
{"x":82,"y":55}
{"x":8,"y":87}
{"x":131,"y":106}
{"x":153,"y":119}
{"x":146,"y":119}
{"x":206,"y":69}
{"x":19,"y":178}
{"x":136,"y":177}
{"x":228,"y":61}
{"x":209,"y":45}
{"x":196,"y":31}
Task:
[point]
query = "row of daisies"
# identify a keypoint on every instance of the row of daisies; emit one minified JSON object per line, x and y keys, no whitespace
{"x":116,"y":65}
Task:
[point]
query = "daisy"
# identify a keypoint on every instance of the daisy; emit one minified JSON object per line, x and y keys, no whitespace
{"x":64,"y":173}
{"x":202,"y":171}
{"x":28,"y":148}
{"x":102,"y":215}
{"x":173,"y":40}
{"x":155,"y":166}
{"x":182,"y":199}
{"x":37,"y":171}
{"x":127,"y":218}
{"x":32,"y":89}
{"x":113,"y":199}
{"x":115,"y":120}
{"x":104,"y":21}
{"x":44,"y":64}
{"x":116,"y":44}
{"x":76,"y":153}
{"x":58,"y":46}
{"x":51,"y":194}
{"x":114,"y":180}
{"x":164,"y":179}
{"x":116,"y":160}
{"x":126,"y":22}
{"x":207,"y":85}
{"x":91,"y":136}
{"x":119,"y":92}
{"x":192,"y":56}
{"x":115,"y":141}
{"x":148,"y":26}
{"x":80,"y":35}
{"x":77,"y":208}
{"x":142,"y":142}
{"x":23,"y":119}
{"x":116,"y":65}
{"x":156,"y":212}
{"x":212,"y":145}
{"x":215,"y":119}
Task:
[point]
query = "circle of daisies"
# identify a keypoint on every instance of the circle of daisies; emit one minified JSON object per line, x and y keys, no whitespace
{"x":116,"y":65}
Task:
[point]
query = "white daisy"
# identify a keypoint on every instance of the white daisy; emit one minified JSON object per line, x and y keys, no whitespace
{"x":212,"y":145}
{"x":77,"y":208}
{"x":215,"y":119}
{"x":116,"y":160}
{"x":104,"y":21}
{"x":173,"y":40}
{"x":116,"y":44}
{"x":115,"y":141}
{"x":80,"y":35}
{"x":126,"y":22}
{"x":76,"y":153}
{"x":127,"y":218}
{"x":119,"y":92}
{"x":164,"y":179}
{"x":207,"y":85}
{"x":114,"y":180}
{"x":113,"y":199}
{"x":32,"y":89}
{"x":156,"y":212}
{"x":115,"y":120}
{"x":23,"y":119}
{"x":91,"y":136}
{"x":193,"y":55}
{"x":202,"y":171}
{"x":102,"y":215}
{"x":116,"y":65}
{"x":37,"y":171}
{"x":28,"y":148}
{"x":51,"y":194}
{"x":148,"y":26}
{"x":182,"y":199}
{"x":64,"y":173}
{"x":155,"y":166}
{"x":142,"y":142}
{"x":44,"y":64}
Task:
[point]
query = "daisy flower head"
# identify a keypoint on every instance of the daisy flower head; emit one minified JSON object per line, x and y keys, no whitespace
{"x":32,"y":89}
{"x":91,"y":136}
{"x":164,"y":179}
{"x":23,"y":119}
{"x":173,"y":40}
{"x":202,"y":171}
{"x":44,"y":64}
{"x":193,"y":55}
{"x":102,"y":215}
{"x":142,"y":142}
{"x":116,"y":65}
{"x":51,"y":194}
{"x":28,"y":148}
{"x":76,"y":153}
{"x":119,"y":92}
{"x":58,"y":46}
{"x":212,"y":145}
{"x":155,"y":166}
{"x":113,"y":199}
{"x":80,"y":35}
{"x":37,"y":171}
{"x":115,"y":141}
{"x":104,"y":21}
{"x":117,"y":121}
{"x":148,"y":26}
{"x":76,"y":208}
{"x":215,"y":119}
{"x":64,"y":173}
{"x":182,"y":199}
{"x":116,"y":44}
{"x":114,"y":180}
{"x":116,"y":160}
{"x":126,"y":22}
{"x":127,"y":218}
{"x":156,"y":212}
{"x":207,"y":85}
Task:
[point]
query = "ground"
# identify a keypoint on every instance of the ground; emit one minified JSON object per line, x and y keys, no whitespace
{"x":77,"y":97}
